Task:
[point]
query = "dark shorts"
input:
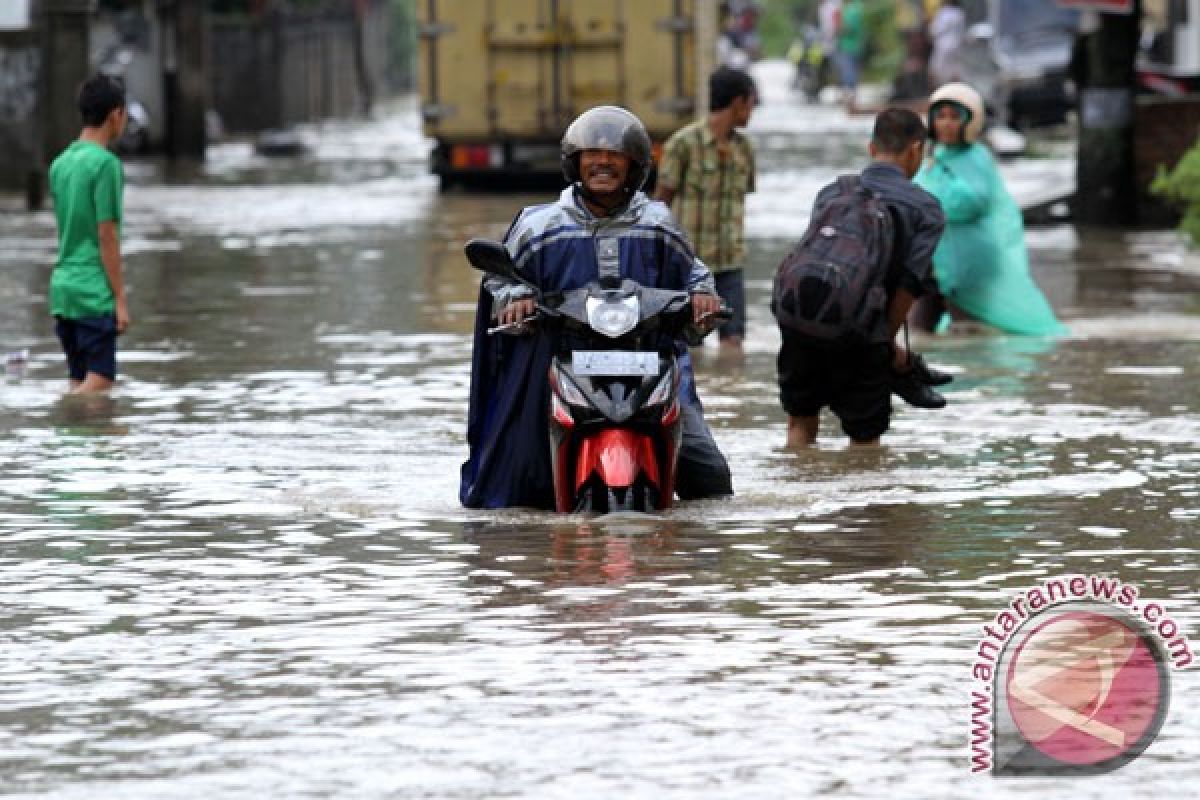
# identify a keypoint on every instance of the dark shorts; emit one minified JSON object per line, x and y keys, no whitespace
{"x":90,"y":345}
{"x":731,"y":287}
{"x":853,"y":381}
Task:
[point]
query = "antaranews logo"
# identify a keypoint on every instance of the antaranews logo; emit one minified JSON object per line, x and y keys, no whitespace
{"x":1072,"y":678}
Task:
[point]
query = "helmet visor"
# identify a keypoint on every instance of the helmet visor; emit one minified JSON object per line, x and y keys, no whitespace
{"x":608,"y":128}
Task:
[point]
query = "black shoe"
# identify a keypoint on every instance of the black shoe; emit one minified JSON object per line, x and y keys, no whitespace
{"x":926,"y":374}
{"x":908,"y":387}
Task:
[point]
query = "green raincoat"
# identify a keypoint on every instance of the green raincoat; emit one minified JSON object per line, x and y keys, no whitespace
{"x":981,"y":263}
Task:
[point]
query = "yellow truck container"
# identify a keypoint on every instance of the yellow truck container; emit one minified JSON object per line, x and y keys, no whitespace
{"x":500,"y":80}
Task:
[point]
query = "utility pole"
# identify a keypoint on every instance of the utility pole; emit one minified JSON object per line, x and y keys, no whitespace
{"x":65,"y":33}
{"x":1106,"y":190}
{"x":366,"y":87}
{"x":185,"y":76}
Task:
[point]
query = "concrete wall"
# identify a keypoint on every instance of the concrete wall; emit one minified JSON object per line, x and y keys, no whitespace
{"x":245,"y":74}
{"x":289,"y":68}
{"x":41,"y":68}
{"x":317,"y":72}
{"x":1165,"y":129}
{"x":20,"y":143}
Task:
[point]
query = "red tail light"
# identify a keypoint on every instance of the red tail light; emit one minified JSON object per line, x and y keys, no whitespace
{"x":476,"y":156}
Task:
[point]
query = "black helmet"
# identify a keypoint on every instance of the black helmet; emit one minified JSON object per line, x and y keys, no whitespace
{"x":608,"y":128}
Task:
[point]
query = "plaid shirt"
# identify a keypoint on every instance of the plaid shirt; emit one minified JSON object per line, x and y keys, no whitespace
{"x":710,"y":191}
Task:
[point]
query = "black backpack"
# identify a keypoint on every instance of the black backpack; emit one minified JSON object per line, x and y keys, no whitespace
{"x":830,"y":287}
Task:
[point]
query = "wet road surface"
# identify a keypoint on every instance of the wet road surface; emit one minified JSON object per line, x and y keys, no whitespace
{"x":246,"y":573}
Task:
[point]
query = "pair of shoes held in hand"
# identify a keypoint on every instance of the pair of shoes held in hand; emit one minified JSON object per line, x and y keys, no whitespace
{"x":915,"y":385}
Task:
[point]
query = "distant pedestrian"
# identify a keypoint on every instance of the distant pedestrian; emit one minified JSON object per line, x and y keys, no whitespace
{"x":912,"y":79}
{"x":87,"y":288}
{"x":731,"y":45}
{"x":844,"y":291}
{"x":947,"y":30}
{"x":829,"y":20}
{"x":851,"y":45}
{"x":706,"y":172}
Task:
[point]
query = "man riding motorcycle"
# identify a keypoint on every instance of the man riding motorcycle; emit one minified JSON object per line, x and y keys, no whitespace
{"x":602,"y":226}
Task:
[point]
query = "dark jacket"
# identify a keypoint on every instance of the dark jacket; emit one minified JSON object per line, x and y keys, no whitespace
{"x":918,"y":222}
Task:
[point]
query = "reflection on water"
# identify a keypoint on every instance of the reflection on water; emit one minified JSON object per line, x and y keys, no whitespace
{"x":246,"y":574}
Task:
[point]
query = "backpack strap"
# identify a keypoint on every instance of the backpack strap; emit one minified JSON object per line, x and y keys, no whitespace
{"x":849,"y":184}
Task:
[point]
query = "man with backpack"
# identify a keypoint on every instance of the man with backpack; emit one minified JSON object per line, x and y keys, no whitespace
{"x":844,"y":291}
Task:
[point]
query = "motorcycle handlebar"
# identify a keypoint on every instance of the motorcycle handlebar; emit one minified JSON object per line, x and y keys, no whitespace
{"x":692,"y":330}
{"x":513,"y":328}
{"x":724,"y":313}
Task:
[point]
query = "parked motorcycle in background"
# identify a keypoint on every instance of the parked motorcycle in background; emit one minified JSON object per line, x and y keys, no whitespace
{"x":813,"y":68}
{"x":136,"y":138}
{"x":131,"y":34}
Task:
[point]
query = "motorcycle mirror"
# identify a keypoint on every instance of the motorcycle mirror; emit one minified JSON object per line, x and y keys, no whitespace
{"x":491,"y":256}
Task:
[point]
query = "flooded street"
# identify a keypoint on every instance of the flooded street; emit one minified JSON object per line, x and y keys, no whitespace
{"x":246,"y":574}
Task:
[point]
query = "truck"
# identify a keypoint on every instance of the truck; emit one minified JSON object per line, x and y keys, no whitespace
{"x":500,"y":80}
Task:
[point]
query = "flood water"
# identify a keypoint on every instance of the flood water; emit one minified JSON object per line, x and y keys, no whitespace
{"x":246,"y":574}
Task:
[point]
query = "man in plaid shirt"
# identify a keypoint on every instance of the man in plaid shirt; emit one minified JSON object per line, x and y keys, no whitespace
{"x":706,"y":171}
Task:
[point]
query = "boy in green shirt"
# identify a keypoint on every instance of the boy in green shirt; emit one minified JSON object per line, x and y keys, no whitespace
{"x":87,"y":289}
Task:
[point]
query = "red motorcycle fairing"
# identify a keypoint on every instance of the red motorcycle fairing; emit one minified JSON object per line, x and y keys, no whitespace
{"x":566,"y":439}
{"x":617,"y":456}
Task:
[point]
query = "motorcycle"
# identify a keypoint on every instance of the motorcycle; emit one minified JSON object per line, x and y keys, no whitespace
{"x":813,"y":68}
{"x":136,"y":137}
{"x":614,"y":418}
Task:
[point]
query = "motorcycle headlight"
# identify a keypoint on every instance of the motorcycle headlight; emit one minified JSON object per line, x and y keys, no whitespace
{"x":613,"y":318}
{"x":662,"y":391}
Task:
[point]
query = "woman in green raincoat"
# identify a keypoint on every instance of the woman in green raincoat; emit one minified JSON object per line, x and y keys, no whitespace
{"x":981,"y":264}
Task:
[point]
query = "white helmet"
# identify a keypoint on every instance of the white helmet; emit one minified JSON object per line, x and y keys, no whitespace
{"x":967,"y":98}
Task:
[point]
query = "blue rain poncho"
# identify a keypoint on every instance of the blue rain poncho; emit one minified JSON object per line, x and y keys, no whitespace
{"x":981,"y":264}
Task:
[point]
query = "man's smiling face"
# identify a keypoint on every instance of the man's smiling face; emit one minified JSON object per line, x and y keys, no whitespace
{"x":603,"y":171}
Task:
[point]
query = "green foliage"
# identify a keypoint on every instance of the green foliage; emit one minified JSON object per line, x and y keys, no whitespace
{"x":779,"y":24}
{"x":1181,"y":186}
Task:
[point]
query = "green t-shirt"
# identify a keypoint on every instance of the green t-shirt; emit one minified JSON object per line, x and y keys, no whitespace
{"x":86,"y":183}
{"x":852,"y":38}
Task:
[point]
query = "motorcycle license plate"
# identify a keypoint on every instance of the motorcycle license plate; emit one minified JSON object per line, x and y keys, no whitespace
{"x":614,"y":363}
